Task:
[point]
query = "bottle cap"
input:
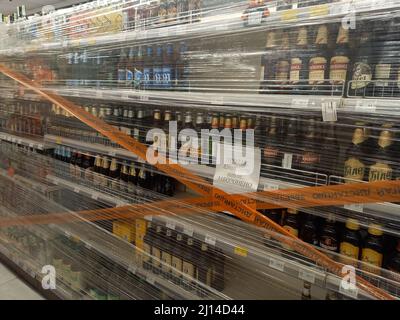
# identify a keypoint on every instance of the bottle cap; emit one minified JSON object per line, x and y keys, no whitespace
{"x":352,"y":224}
{"x":375,"y":229}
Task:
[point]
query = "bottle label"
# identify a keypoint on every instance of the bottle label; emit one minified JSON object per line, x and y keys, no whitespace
{"x":147,"y":250}
{"x":322,"y":35}
{"x":282,"y":71}
{"x":166,"y":258}
{"x":354,"y":169}
{"x":291,"y":230}
{"x":380,"y":172}
{"x":382,"y":71}
{"x":349,"y":250}
{"x":146,"y":76}
{"x":338,"y":69}
{"x":328,"y":243}
{"x":157,"y":77}
{"x":385,"y":139}
{"x":166,"y":77}
{"x":309,"y":158}
{"x":157,"y":257}
{"x":177,"y":265}
{"x":295,"y":69}
{"x":270,"y":152}
{"x":188,"y":269}
{"x":362,"y":75}
{"x":371,"y":257}
{"x":317,"y":70}
{"x":136,"y":133}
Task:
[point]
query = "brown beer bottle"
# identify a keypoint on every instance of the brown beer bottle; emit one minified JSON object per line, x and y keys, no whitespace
{"x":372,"y":252}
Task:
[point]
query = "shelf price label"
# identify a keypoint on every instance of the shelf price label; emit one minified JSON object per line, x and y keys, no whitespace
{"x":99,"y":94}
{"x":77,"y":190}
{"x":95,"y":196}
{"x":170,"y":225}
{"x":240,"y":251}
{"x":210,"y":240}
{"x":188,"y":231}
{"x":276,"y":264}
{"x":329,"y":110}
{"x":287,"y":161}
{"x":254,"y":18}
{"x":270,"y":186}
{"x":307,"y":276}
{"x":300,"y":102}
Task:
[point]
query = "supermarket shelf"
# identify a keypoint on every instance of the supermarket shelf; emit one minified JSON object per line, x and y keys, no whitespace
{"x":26,"y":142}
{"x":91,"y":147}
{"x":77,"y":188}
{"x":253,"y":251}
{"x":220,"y":23}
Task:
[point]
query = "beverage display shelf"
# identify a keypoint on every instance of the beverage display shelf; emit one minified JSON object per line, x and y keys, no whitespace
{"x":252,"y":251}
{"x":218,"y":24}
{"x":254,"y":102}
{"x":26,"y":142}
{"x":91,"y":147}
{"x":78,"y":188}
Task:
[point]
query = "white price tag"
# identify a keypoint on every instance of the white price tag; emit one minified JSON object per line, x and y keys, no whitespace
{"x":150,"y":218}
{"x":254,"y":18}
{"x":67,"y":234}
{"x":355,"y":207}
{"x":300,"y":102}
{"x":95,"y":196}
{"x":210,"y":240}
{"x":112,"y":153}
{"x":31,"y":145}
{"x":307,"y":276}
{"x":276,"y":264}
{"x":352,"y":291}
{"x":55,"y":181}
{"x":144,"y":97}
{"x":329,"y":110}
{"x":124,"y":96}
{"x":170,"y":225}
{"x":366,"y":105}
{"x":77,"y":190}
{"x":132,"y":269}
{"x":270,"y":186}
{"x":287,"y":161}
{"x":188,"y":231}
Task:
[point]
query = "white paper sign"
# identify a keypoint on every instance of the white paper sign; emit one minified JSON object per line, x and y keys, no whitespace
{"x":237,"y":169}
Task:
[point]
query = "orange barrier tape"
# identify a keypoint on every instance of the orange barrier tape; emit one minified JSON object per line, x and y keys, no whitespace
{"x":241,"y":210}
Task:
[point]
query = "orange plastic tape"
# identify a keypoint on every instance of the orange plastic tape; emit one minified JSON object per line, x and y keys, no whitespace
{"x":241,"y":210}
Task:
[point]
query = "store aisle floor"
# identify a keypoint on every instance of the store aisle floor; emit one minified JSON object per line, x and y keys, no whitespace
{"x":12,"y":288}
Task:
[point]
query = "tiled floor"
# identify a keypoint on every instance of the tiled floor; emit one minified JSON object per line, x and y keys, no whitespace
{"x":12,"y":288}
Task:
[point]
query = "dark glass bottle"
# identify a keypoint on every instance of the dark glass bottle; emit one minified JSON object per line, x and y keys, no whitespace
{"x":189,"y":265}
{"x":166,"y":254}
{"x":350,"y":245}
{"x":308,"y":231}
{"x":156,"y":250}
{"x":291,"y":224}
{"x":269,"y":63}
{"x":176,"y":259}
{"x":383,"y":160}
{"x":361,"y":70}
{"x":309,"y":157}
{"x":394,"y":264}
{"x":299,"y":61}
{"x":306,"y":293}
{"x":372,"y":251}
{"x":272,"y":153}
{"x":355,"y":163}
{"x":329,"y":236}
{"x":318,"y":64}
{"x":148,"y":72}
{"x":329,"y":150}
{"x":340,"y":61}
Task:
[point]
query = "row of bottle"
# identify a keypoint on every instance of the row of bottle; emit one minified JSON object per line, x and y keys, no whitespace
{"x":110,"y":173}
{"x":350,"y":241}
{"x":162,"y":66}
{"x":310,"y":62}
{"x":182,"y":259}
{"x":313,"y":146}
